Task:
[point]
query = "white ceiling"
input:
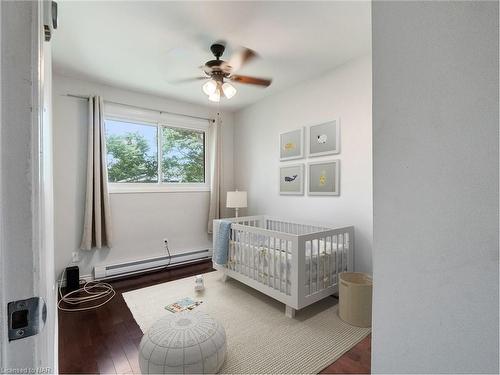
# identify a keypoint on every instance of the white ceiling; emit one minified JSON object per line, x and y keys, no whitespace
{"x":143,"y":45}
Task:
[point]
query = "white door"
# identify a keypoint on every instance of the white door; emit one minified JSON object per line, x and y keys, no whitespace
{"x":26,"y":223}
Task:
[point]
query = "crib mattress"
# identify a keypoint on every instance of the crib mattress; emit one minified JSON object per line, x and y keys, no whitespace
{"x":273,"y":266}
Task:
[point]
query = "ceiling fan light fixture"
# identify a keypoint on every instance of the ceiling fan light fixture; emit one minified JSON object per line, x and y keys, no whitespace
{"x":215,"y":97}
{"x":228,"y":90}
{"x":210,"y":87}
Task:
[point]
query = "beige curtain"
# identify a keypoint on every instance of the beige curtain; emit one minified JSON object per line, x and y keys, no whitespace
{"x":97,"y":220}
{"x":215,"y":165}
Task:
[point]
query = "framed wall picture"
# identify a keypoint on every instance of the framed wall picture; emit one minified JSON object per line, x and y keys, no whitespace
{"x":324,"y":139}
{"x":292,"y":179}
{"x":324,"y":178}
{"x":292,"y":145}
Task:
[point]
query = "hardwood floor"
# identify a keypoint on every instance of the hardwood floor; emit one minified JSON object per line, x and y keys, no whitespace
{"x":106,"y":340}
{"x":355,"y":361}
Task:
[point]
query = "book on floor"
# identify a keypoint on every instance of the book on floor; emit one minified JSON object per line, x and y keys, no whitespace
{"x":183,"y":305}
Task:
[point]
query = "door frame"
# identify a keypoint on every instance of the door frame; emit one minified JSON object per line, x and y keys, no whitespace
{"x":26,"y":235}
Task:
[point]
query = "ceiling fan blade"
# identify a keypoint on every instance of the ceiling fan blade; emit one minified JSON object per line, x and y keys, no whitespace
{"x":239,"y":59}
{"x":251,"y":80}
{"x":187,"y":80}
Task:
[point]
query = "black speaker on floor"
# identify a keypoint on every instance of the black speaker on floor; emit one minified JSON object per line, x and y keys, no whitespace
{"x":72,"y":278}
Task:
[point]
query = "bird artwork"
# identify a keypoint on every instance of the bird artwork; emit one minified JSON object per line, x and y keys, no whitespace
{"x":322,"y":138}
{"x":289,"y":146}
{"x":291,"y":179}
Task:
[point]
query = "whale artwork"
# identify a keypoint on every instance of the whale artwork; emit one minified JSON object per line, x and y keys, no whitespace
{"x":292,"y":179}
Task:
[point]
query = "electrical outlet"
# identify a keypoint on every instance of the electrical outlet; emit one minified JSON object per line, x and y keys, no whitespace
{"x":75,"y":256}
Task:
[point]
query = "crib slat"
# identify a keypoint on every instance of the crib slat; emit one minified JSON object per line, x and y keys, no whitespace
{"x":250,"y":257}
{"x":346,"y":240}
{"x":268,"y":246}
{"x":282,"y":262}
{"x":242,"y":255}
{"x":261,"y":251}
{"x":330,"y":264}
{"x":280,"y":253}
{"x":243,"y":249}
{"x":326,"y":266}
{"x":321,"y":265}
{"x":274,"y":262}
{"x":337,"y":260}
{"x":231,"y":247}
{"x":310,"y":266}
{"x":318,"y":261}
{"x":257,"y":258}
{"x":277,"y":265}
{"x":286,"y":266}
{"x":248,"y":254}
{"x":341,"y":241}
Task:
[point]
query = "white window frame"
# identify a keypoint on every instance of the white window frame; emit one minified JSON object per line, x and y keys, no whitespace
{"x":158,"y":120}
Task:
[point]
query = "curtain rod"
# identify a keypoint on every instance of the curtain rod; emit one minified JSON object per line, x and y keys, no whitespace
{"x":148,"y":109}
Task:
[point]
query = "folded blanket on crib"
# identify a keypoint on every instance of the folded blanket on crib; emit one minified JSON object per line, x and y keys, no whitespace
{"x":221,"y":248}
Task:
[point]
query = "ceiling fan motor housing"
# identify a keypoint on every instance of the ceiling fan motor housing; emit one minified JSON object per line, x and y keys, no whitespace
{"x":217,"y":49}
{"x":213,"y":67}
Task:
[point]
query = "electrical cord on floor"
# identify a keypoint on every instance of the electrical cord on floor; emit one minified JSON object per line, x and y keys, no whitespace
{"x":91,"y":290}
{"x":165,"y":241}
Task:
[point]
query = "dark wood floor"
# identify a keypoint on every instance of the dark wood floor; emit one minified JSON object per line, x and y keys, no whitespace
{"x":106,"y":340}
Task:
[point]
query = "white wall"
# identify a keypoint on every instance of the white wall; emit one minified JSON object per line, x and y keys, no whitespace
{"x":140,"y":220}
{"x":344,"y":93}
{"x":435,"y":151}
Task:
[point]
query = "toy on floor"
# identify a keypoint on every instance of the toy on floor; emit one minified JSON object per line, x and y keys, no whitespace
{"x":198,"y":283}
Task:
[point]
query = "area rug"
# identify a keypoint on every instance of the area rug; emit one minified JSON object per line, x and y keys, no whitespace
{"x":260,"y":338}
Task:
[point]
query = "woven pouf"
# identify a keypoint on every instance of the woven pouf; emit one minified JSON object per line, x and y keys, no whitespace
{"x":183,"y":343}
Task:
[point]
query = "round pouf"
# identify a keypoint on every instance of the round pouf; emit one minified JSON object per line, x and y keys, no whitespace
{"x":183,"y":343}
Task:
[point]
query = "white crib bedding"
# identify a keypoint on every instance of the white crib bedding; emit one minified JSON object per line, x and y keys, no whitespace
{"x":268,"y":265}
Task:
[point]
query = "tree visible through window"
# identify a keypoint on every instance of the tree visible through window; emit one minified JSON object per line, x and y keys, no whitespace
{"x":132,"y":152}
{"x":183,"y":155}
{"x":133,"y":155}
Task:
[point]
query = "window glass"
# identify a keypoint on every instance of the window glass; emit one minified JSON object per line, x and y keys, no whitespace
{"x":183,"y":155}
{"x":132,"y":152}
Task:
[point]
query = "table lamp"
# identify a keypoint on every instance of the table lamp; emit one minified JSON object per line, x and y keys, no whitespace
{"x":236,"y":199}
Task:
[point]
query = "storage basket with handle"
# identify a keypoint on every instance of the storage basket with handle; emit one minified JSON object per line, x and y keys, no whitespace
{"x":355,"y":298}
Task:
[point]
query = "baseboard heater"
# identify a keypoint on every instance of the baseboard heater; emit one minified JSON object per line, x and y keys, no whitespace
{"x":149,"y":264}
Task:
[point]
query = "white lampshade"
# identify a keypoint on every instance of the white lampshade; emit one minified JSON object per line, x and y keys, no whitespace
{"x":228,"y":90}
{"x":215,"y":97}
{"x":236,"y":199}
{"x":209,"y":87}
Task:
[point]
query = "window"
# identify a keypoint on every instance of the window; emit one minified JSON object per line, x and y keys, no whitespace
{"x":132,"y":152}
{"x":146,"y":156}
{"x":183,"y":155}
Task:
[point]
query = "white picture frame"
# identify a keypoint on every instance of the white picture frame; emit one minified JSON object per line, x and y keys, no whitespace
{"x":324,"y":138}
{"x":323,"y":178}
{"x":292,"y":179}
{"x":292,"y":144}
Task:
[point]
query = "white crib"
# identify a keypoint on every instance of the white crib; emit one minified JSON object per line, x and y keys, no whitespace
{"x":295,"y":263}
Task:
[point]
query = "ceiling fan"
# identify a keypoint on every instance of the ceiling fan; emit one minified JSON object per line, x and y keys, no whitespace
{"x":220,"y":72}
